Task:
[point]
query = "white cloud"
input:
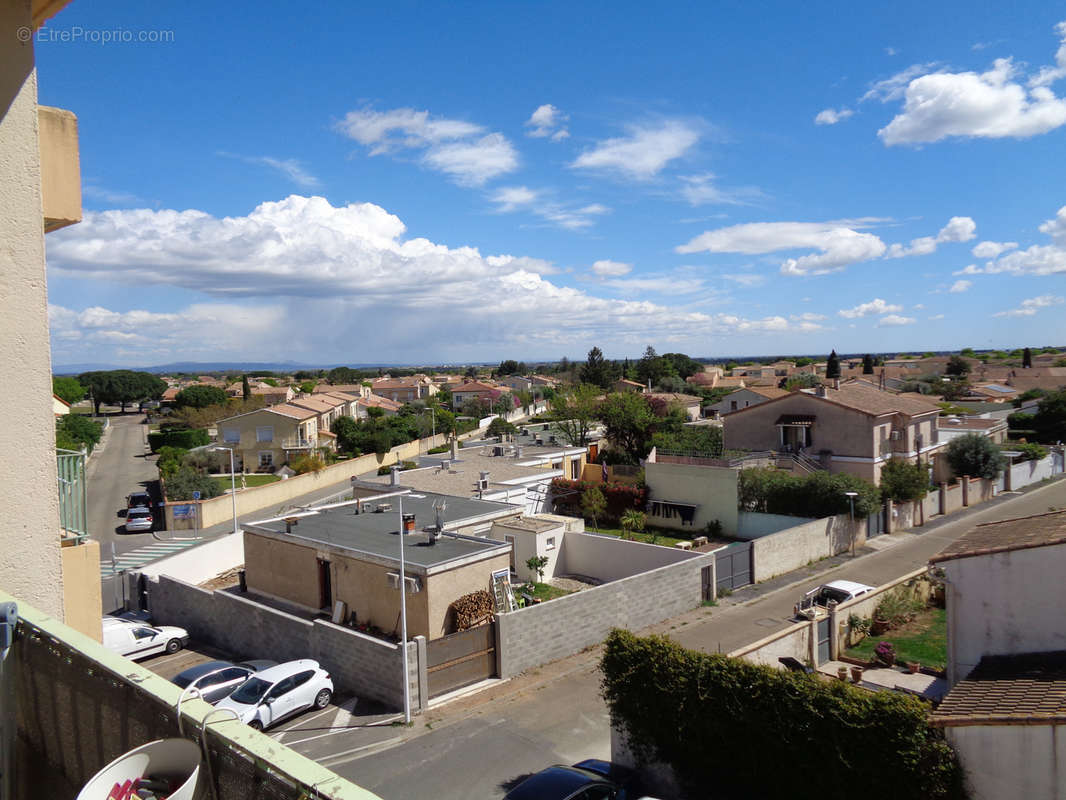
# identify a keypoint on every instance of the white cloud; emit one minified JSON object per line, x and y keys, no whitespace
{"x":875,"y":306}
{"x":334,"y":274}
{"x":1036,"y":260}
{"x":919,"y":306}
{"x":958,"y":229}
{"x":992,"y":104}
{"x":509,"y":199}
{"x":894,"y":320}
{"x":958,"y":287}
{"x":700,"y":190}
{"x":611,"y":269}
{"x":289,"y":167}
{"x":1029,"y":307}
{"x":831,"y":116}
{"x":993,"y":249}
{"x":548,"y":121}
{"x":100,"y":194}
{"x":892,"y":88}
{"x":748,"y":280}
{"x":454,"y":147}
{"x":936,"y":317}
{"x":644,"y":152}
{"x":512,"y":198}
{"x":808,"y":316}
{"x":838,"y":244}
{"x":891,"y":51}
{"x":971,"y":269}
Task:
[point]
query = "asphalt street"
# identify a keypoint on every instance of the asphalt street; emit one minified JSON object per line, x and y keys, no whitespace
{"x":480,"y":745}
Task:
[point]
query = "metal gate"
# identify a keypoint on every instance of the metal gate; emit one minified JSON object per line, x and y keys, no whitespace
{"x":875,"y":523}
{"x":823,"y":640}
{"x":460,"y":659}
{"x":733,"y":565}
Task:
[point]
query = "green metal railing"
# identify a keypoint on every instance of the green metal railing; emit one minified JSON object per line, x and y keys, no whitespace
{"x":70,"y":465}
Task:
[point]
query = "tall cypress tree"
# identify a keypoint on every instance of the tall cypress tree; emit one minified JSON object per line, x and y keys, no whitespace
{"x":246,"y":388}
{"x":1027,"y":358}
{"x":832,"y":365}
{"x":867,"y":364}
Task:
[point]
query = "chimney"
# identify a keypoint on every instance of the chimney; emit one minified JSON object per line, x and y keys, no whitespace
{"x":820,"y":390}
{"x":455,"y":449}
{"x":394,"y":475}
{"x":445,"y":465}
{"x":408,"y":523}
{"x":289,"y":522}
{"x":836,"y":383}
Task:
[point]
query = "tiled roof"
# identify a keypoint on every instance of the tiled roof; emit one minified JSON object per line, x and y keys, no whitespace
{"x":474,"y":386}
{"x":1025,"y":689}
{"x":325,"y":388}
{"x":1039,"y":530}
{"x":319,"y":405}
{"x":869,"y":400}
{"x":969,"y":423}
{"x":674,"y":397}
{"x":380,"y":402}
{"x":289,"y":410}
{"x":769,"y":392}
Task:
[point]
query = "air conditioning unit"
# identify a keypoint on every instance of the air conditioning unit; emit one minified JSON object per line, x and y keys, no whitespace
{"x":483,"y":484}
{"x":895,"y":436}
{"x":413,"y":584}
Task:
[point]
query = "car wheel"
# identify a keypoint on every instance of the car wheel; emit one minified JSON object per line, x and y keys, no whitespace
{"x":174,"y":645}
{"x":255,"y":725}
{"x":322,"y":698}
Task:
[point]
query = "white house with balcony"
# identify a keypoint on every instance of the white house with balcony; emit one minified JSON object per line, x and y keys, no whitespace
{"x":266,"y":438}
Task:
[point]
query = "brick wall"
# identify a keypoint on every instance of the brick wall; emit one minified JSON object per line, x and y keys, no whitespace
{"x":538,"y":634}
{"x":244,"y":628}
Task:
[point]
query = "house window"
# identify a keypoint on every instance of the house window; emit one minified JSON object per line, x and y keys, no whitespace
{"x":549,"y":543}
{"x":266,"y":459}
{"x":665,"y":510}
{"x":264,"y":434}
{"x":231,"y":435}
{"x":732,"y":405}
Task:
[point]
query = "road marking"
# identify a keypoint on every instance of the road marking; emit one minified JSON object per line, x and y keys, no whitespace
{"x":141,"y":556}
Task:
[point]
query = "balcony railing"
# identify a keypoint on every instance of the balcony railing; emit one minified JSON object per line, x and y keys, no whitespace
{"x":298,"y":443}
{"x":70,"y":466}
{"x":78,"y":706}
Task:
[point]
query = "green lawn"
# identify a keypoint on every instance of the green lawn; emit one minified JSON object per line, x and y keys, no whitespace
{"x":649,"y":536}
{"x":924,"y":640}
{"x":543,"y":591}
{"x":249,"y":481}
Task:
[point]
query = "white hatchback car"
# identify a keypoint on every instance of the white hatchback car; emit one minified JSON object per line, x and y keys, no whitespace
{"x":137,"y":640}
{"x":817,"y":600}
{"x":279,"y":692}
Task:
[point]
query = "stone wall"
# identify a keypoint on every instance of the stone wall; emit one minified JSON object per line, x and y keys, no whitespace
{"x":538,"y":634}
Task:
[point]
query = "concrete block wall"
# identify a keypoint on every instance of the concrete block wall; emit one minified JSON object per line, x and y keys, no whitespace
{"x":932,"y":504}
{"x":790,"y":549}
{"x":538,"y":634}
{"x":951,"y":498}
{"x":1028,"y":472}
{"x":609,"y":558}
{"x":364,"y":665}
{"x":795,"y":642}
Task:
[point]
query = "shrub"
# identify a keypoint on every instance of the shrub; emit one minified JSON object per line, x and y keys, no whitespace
{"x":1029,"y":450}
{"x":902,"y":481}
{"x":673,"y":703}
{"x":898,"y":607}
{"x":444,"y":448}
{"x":819,"y":494}
{"x":182,"y":484}
{"x":306,"y":462}
{"x":975,"y":455}
{"x":187,"y":438}
{"x":501,"y":427}
{"x":170,"y":460}
{"x":74,"y":431}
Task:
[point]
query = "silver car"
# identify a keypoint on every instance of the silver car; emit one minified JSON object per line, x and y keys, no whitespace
{"x":138,"y":519}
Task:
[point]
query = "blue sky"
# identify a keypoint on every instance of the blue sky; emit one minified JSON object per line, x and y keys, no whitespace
{"x":474,"y":181}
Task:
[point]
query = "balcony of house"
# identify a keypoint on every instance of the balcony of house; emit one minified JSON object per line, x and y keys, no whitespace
{"x":60,"y":167}
{"x":298,"y":443}
{"x":77,"y":707}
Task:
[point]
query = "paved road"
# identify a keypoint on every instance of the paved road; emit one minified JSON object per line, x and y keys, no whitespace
{"x":478,"y":746}
{"x":116,"y":468}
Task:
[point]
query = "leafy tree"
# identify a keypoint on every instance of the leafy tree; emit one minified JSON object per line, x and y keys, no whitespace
{"x":1049,"y":421}
{"x":593,"y":504}
{"x":703,"y":440}
{"x":955,"y":390}
{"x":347,"y":430}
{"x":182,"y":484}
{"x":341,"y":375}
{"x":308,"y":387}
{"x":595,"y":371}
{"x":504,"y":404}
{"x":575,"y":414}
{"x":1029,"y":394}
{"x":629,"y":422}
{"x":74,"y":431}
{"x":902,"y":481}
{"x":471,"y":373}
{"x":957,"y":366}
{"x":867,"y":364}
{"x":208,"y":415}
{"x":1027,"y":358}
{"x":508,"y":367}
{"x":246,"y":388}
{"x":975,"y":455}
{"x":68,"y":390}
{"x":681,"y":365}
{"x":537,"y":564}
{"x":501,"y":427}
{"x":633,"y":520}
{"x":122,"y":386}
{"x":968,"y":352}
{"x":1028,"y":450}
{"x":170,"y":460}
{"x":832,"y":365}
{"x":803,"y":362}
{"x":651,"y":368}
{"x":672,"y":383}
{"x":201,"y":396}
{"x":476,"y":407}
{"x":270,"y":381}
{"x":802,"y":380}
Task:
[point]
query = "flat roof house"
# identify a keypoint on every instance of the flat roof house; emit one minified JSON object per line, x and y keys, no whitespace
{"x":350,"y":553}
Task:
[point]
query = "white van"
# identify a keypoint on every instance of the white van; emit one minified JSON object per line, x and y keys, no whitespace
{"x":137,"y":640}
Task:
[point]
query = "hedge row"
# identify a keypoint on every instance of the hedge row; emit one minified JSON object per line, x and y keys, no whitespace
{"x":730,"y":728}
{"x":187,"y":439}
{"x":621,"y":497}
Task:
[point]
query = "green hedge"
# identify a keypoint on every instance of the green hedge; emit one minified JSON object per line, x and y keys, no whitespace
{"x":621,"y":497}
{"x":819,"y":494}
{"x":730,"y":728}
{"x":187,"y":439}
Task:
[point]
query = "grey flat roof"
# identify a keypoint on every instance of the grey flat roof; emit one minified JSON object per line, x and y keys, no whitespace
{"x":375,"y":534}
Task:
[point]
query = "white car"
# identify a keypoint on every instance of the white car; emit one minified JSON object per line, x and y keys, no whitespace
{"x":279,"y":692}
{"x":817,"y":600}
{"x":137,"y":640}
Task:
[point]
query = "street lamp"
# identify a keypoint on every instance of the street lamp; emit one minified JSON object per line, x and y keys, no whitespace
{"x":851,"y":502}
{"x":233,"y":483}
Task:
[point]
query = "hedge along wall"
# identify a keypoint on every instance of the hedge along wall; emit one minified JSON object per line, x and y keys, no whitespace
{"x":733,"y":729}
{"x":621,"y":497}
{"x":193,"y":437}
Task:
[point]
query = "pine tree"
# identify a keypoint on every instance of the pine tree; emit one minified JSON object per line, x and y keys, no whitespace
{"x":246,"y":388}
{"x":832,"y":365}
{"x":867,"y":364}
{"x":1027,"y":358}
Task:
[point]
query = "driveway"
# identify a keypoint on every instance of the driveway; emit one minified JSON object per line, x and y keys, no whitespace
{"x":479,"y":746}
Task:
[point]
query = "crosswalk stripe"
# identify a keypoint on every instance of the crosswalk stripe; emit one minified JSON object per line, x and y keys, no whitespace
{"x":140,"y":556}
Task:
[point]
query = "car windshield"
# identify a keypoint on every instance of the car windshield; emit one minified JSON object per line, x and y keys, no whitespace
{"x":250,"y":692}
{"x":830,"y":593}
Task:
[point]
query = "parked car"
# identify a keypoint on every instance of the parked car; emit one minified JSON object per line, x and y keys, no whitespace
{"x":138,"y":500}
{"x":138,"y":519}
{"x":592,"y":779}
{"x":216,"y":680}
{"x":817,"y":600}
{"x":280,"y":692}
{"x":137,"y":640}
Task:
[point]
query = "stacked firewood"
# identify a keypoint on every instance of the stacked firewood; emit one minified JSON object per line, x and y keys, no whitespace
{"x":472,"y":609}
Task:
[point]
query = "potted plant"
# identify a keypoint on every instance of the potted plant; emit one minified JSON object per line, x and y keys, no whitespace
{"x":842,"y":673}
{"x":885,"y":653}
{"x":914,"y":667}
{"x":856,"y":674}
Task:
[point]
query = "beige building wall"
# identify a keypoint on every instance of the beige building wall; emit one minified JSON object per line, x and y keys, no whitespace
{"x":248,"y":448}
{"x":30,"y":563}
{"x":82,"y":598}
{"x":712,"y":489}
{"x":842,"y":430}
{"x":364,"y":586}
{"x":282,"y":569}
{"x":444,"y":588}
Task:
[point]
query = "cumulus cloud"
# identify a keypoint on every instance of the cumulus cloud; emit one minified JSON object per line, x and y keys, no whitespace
{"x":459,"y":149}
{"x":832,"y":116}
{"x":547,"y":122}
{"x":1029,"y":307}
{"x":958,"y":229}
{"x":893,"y":88}
{"x":1036,"y":260}
{"x":336,"y":275}
{"x":509,"y":199}
{"x":958,"y":287}
{"x":838,"y":243}
{"x":992,"y":104}
{"x":875,"y":306}
{"x":993,"y":249}
{"x":894,"y":320}
{"x":611,"y":269}
{"x":644,"y":152}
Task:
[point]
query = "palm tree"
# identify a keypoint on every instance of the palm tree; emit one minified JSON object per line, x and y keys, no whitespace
{"x":633,"y":520}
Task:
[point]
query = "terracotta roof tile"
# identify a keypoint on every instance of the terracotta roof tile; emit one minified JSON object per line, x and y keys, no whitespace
{"x":287,"y":410}
{"x":1039,"y":530}
{"x":1025,"y":689}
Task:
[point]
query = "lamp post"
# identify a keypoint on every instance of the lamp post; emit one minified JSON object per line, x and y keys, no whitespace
{"x":233,"y":484}
{"x":403,"y":623}
{"x":851,"y":502}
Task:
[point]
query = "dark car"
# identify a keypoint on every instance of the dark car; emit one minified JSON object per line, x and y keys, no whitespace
{"x":217,"y":680}
{"x":139,"y":500}
{"x":587,"y":780}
